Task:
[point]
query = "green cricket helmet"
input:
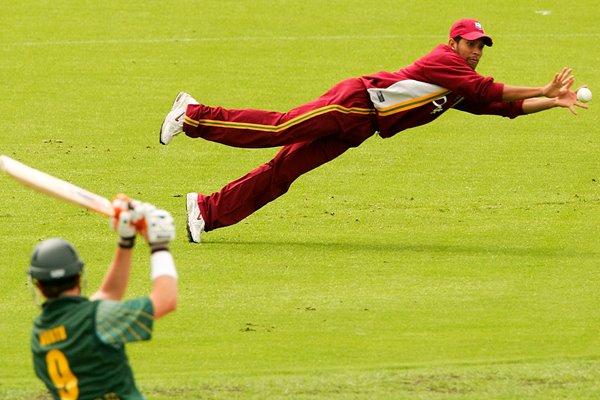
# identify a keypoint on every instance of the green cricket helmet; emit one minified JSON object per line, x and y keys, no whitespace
{"x":54,"y":259}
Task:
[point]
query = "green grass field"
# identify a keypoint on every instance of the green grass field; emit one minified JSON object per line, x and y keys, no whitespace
{"x":459,"y":260}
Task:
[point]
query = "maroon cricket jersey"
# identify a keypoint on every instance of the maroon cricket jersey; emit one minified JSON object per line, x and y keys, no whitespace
{"x":422,"y":91}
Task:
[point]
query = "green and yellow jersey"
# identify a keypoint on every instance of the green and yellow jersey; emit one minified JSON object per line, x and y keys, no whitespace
{"x":78,"y":346}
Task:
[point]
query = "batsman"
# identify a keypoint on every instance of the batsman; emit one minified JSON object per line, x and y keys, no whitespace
{"x":78,"y":344}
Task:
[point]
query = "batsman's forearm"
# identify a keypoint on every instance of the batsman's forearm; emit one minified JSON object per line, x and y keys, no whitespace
{"x":164,"y":295}
{"x":164,"y":281}
{"x":116,"y":279}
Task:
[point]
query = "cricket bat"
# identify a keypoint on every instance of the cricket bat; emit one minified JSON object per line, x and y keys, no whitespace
{"x":52,"y":186}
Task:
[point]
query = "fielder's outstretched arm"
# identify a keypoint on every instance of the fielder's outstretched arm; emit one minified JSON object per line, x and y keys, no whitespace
{"x":566,"y":99}
{"x":553,"y":89}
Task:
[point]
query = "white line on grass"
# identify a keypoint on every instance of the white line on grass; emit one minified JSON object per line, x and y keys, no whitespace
{"x":274,"y":38}
{"x":210,"y":39}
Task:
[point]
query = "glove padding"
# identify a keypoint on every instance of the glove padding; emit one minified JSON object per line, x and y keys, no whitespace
{"x":132,"y":217}
{"x":160,"y":228}
{"x":125,"y":217}
{"x":124,"y":227}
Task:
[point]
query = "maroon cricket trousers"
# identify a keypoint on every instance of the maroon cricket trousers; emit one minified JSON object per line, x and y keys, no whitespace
{"x":311,"y":135}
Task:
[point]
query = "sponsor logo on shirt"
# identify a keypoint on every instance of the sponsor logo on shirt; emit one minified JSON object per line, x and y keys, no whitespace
{"x":439,"y":105}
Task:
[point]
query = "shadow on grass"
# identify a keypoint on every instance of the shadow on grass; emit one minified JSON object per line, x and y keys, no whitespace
{"x":419,"y":248}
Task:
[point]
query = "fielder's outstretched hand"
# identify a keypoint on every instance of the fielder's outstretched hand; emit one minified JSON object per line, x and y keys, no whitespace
{"x":568,"y":99}
{"x":559,"y":84}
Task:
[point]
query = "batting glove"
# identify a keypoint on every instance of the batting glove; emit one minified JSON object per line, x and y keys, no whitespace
{"x":124,"y":220}
{"x":160,"y":229}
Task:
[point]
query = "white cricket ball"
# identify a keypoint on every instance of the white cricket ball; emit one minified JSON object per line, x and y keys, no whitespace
{"x":584,"y":95}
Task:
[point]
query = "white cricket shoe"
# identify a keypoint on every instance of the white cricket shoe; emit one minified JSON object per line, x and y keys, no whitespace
{"x":195,"y":222}
{"x":173,"y":123}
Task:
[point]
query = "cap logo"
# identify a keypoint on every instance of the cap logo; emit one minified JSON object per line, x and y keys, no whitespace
{"x":57,"y":273}
{"x":478,"y":26}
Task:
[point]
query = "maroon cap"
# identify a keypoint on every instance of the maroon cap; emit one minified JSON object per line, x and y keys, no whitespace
{"x":470,"y":29}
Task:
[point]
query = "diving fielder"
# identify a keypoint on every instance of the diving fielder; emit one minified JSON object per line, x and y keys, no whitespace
{"x":349,"y":113}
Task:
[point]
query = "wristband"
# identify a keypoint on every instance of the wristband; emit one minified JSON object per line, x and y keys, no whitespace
{"x":162,"y":247}
{"x":162,"y":264}
{"x":127,"y":243}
